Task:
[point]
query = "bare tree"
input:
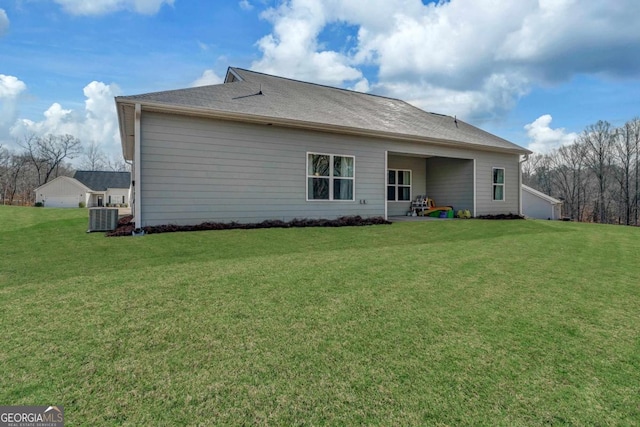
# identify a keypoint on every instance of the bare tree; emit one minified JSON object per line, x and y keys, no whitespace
{"x":5,"y":156}
{"x":625,"y":156}
{"x":598,"y":140}
{"x":14,"y":178}
{"x":47,"y":154}
{"x":93,"y":158}
{"x":633,"y":129}
{"x":529,"y":170}
{"x":570,"y":180}
{"x":117,"y":164}
{"x":536,"y":172}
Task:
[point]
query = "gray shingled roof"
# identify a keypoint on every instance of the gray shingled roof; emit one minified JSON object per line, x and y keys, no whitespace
{"x":101,"y":180}
{"x":257,"y":94}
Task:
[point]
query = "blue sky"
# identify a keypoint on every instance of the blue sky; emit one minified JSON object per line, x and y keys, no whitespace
{"x":536,"y":72}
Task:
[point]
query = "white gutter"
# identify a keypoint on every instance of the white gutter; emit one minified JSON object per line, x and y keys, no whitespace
{"x":137,"y":214}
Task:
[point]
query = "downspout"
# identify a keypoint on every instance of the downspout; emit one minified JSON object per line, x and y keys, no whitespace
{"x":131,"y":189}
{"x":526,"y":157}
{"x":137,"y":218}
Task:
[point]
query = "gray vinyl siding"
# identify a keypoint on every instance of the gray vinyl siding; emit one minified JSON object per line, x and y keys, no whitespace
{"x":196,"y":170}
{"x":484,"y":182}
{"x":416,"y":166}
{"x":449,"y":182}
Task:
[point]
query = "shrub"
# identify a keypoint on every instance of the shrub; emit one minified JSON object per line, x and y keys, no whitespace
{"x":81,"y":205}
{"x":39,"y":204}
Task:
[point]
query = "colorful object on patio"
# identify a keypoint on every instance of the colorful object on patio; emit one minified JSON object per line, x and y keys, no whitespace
{"x":439,"y":212}
{"x":464,"y":214}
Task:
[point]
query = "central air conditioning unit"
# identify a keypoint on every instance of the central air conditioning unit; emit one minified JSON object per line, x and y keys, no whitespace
{"x":102,"y":219}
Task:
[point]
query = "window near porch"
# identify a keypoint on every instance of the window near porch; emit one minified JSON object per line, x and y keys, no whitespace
{"x":498,"y":184}
{"x":330,"y":177}
{"x":398,"y":185}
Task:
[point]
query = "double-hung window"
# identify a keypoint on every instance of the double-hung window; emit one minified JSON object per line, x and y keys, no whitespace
{"x":398,"y":185}
{"x":498,"y":184}
{"x":330,"y":177}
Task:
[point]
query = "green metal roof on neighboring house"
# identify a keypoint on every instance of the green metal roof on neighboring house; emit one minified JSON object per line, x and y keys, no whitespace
{"x":101,"y":180}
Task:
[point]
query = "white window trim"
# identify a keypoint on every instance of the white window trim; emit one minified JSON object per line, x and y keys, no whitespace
{"x":330,"y":177}
{"x":396,"y":185}
{"x":504,"y":184}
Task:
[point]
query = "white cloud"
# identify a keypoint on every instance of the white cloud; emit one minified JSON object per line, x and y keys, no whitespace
{"x":208,"y":77}
{"x":292,"y":49}
{"x":544,"y":138}
{"x":470,"y":58}
{"x":245,"y":5}
{"x":362,"y":86}
{"x":10,"y":89}
{"x":4,"y":22}
{"x":99,"y":7}
{"x":97,"y":123}
{"x":100,"y":120}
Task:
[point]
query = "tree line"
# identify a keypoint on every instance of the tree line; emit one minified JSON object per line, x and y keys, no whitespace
{"x":597,"y":176}
{"x":39,"y":159}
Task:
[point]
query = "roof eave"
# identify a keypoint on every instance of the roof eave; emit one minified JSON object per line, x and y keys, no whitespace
{"x":161,"y":107}
{"x":126,"y":144}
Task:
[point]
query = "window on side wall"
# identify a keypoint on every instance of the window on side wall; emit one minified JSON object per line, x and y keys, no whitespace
{"x":498,"y":184}
{"x":398,"y":185}
{"x":330,"y":177}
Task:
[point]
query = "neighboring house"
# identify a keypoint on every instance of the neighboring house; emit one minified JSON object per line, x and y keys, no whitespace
{"x":93,"y":188}
{"x":536,"y":204}
{"x":263,"y":147}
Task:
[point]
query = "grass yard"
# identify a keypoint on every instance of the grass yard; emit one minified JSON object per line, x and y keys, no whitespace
{"x":500,"y":323}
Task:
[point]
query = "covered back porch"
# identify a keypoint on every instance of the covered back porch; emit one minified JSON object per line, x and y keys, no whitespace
{"x":447,"y":181}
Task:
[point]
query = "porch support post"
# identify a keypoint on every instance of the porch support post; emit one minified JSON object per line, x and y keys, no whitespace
{"x":475,"y":188}
{"x":384,"y":191}
{"x":137,"y":214}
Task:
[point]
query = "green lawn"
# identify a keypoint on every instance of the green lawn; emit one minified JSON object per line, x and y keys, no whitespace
{"x":436,"y":323}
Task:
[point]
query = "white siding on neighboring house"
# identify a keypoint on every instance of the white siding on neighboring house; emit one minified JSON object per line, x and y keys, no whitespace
{"x":536,"y":204}
{"x":61,"y":192}
{"x":117,"y":195}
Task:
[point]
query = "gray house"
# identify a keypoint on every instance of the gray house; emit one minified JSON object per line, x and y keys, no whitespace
{"x":264,"y":147}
